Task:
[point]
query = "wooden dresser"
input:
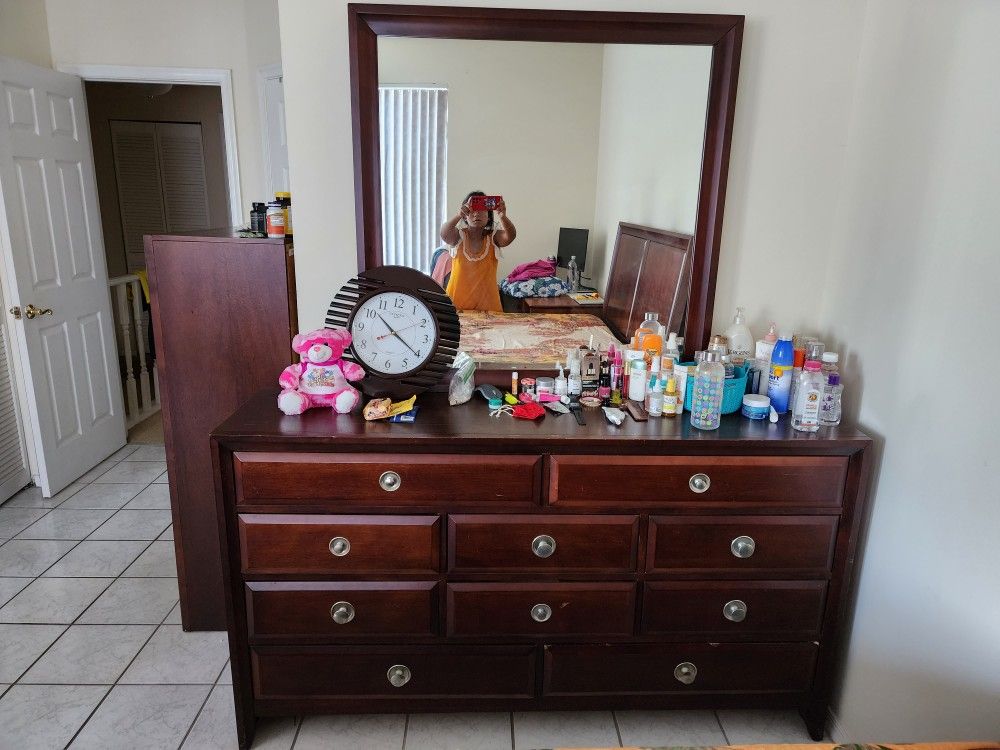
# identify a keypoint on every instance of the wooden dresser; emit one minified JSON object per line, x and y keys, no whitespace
{"x":223,"y":319}
{"x":465,"y":563}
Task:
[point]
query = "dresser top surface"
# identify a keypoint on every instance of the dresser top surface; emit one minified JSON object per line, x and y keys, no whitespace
{"x":438,"y":424}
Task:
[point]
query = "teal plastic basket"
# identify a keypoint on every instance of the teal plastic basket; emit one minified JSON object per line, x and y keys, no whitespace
{"x":732,"y":392}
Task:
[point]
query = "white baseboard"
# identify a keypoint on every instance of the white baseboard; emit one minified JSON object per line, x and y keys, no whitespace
{"x":836,"y":731}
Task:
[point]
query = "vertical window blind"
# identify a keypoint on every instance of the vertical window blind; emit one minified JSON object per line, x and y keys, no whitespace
{"x":413,"y":123}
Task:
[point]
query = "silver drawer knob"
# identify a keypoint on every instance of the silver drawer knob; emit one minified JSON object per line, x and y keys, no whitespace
{"x":390,"y":481}
{"x":339,"y":546}
{"x":342,"y":612}
{"x":543,"y":545}
{"x":541,"y":612}
{"x":399,"y":675}
{"x":685,"y":672}
{"x":735,"y":611}
{"x":699,"y":483}
{"x":743,"y":546}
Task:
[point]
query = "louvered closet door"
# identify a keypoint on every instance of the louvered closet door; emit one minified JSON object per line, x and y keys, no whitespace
{"x":160,"y":169}
{"x":140,"y":198}
{"x":14,"y":472}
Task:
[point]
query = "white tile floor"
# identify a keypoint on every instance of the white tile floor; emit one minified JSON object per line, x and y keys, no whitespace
{"x":92,"y":654}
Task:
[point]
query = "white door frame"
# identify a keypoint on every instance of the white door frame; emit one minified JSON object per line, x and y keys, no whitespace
{"x":221,"y":77}
{"x":265,"y":74}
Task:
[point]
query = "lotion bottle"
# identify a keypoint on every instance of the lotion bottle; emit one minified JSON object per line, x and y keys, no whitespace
{"x":740,"y":339}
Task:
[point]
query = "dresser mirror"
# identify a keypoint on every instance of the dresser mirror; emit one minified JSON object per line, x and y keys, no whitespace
{"x":580,"y":120}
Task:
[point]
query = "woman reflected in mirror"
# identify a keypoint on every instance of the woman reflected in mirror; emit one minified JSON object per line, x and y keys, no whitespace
{"x":476,"y":236}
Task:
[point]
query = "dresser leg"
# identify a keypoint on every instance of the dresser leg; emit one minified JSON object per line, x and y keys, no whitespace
{"x":246,"y":727}
{"x":815,"y":719}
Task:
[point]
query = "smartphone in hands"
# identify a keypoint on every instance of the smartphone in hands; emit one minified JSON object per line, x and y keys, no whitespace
{"x":484,"y":202}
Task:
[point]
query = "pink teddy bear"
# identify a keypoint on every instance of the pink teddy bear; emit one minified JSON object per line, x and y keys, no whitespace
{"x":320,"y":379}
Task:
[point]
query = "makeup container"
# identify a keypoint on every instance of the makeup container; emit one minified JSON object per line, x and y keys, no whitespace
{"x":756,"y":407}
{"x":545,"y":385}
{"x":528,"y":386}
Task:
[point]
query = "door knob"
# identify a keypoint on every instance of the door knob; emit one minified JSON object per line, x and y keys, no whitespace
{"x":30,"y":311}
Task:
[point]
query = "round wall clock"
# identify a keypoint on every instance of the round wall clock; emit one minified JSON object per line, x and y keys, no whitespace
{"x":404,"y":329}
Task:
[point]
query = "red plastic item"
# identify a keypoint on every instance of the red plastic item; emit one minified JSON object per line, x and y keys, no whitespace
{"x":529,"y":410}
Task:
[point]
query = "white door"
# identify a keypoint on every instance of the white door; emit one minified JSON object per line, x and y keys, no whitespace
{"x":275,"y":139}
{"x":53,"y":253}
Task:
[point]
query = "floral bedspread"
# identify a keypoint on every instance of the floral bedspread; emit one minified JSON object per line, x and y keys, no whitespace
{"x":539,"y":340}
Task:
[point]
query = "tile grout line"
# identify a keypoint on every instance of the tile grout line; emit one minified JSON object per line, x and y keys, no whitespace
{"x":298,"y":728}
{"x":67,"y":627}
{"x":131,"y":661}
{"x":211,"y":689}
{"x":618,"y":731}
{"x":722,"y":729}
{"x":510,"y":716}
{"x":406,"y":726}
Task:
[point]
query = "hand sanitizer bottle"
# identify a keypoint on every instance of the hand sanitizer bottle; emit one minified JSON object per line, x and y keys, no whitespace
{"x":805,"y":410}
{"x":559,"y":386}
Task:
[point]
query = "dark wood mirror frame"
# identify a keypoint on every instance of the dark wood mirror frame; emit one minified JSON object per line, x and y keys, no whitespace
{"x":724,"y":33}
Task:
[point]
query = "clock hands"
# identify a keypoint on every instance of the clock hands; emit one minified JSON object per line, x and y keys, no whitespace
{"x":393,"y":333}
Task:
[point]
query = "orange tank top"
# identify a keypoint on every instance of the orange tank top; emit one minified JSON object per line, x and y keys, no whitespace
{"x":473,"y":283}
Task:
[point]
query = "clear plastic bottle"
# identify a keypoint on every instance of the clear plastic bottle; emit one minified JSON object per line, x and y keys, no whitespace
{"x":829,"y":410}
{"x":805,"y":410}
{"x":654,"y":396}
{"x":573,"y":274}
{"x":706,"y":400}
{"x":649,"y":336}
{"x":560,"y":387}
{"x":672,"y":348}
{"x":574,"y":384}
{"x":830,"y":362}
{"x":740,"y":339}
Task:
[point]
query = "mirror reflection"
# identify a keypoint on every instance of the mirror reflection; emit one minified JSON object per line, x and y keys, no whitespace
{"x":562,"y":142}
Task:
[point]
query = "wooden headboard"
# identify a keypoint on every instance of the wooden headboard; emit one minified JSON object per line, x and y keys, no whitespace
{"x":650,"y":271}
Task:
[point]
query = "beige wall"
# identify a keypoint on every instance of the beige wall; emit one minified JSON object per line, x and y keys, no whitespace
{"x":183,"y":33}
{"x":129,"y":101}
{"x":796,"y":86}
{"x":523,"y":121}
{"x":649,"y":161}
{"x":910,"y":280}
{"x":24,"y":33}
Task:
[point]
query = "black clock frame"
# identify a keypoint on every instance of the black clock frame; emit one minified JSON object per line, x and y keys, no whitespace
{"x":409,"y":281}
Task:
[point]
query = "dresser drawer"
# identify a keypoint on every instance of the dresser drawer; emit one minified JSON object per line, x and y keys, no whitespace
{"x":334,"y":544}
{"x":338,"y":609}
{"x":386,"y":480}
{"x":533,"y":544}
{"x":750,"y":546}
{"x":678,"y":668}
{"x":465,"y":672}
{"x":647,"y":481}
{"x":540,"y":610}
{"x":742,"y":610}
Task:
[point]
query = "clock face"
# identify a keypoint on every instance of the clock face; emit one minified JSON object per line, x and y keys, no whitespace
{"x":393,"y":333}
